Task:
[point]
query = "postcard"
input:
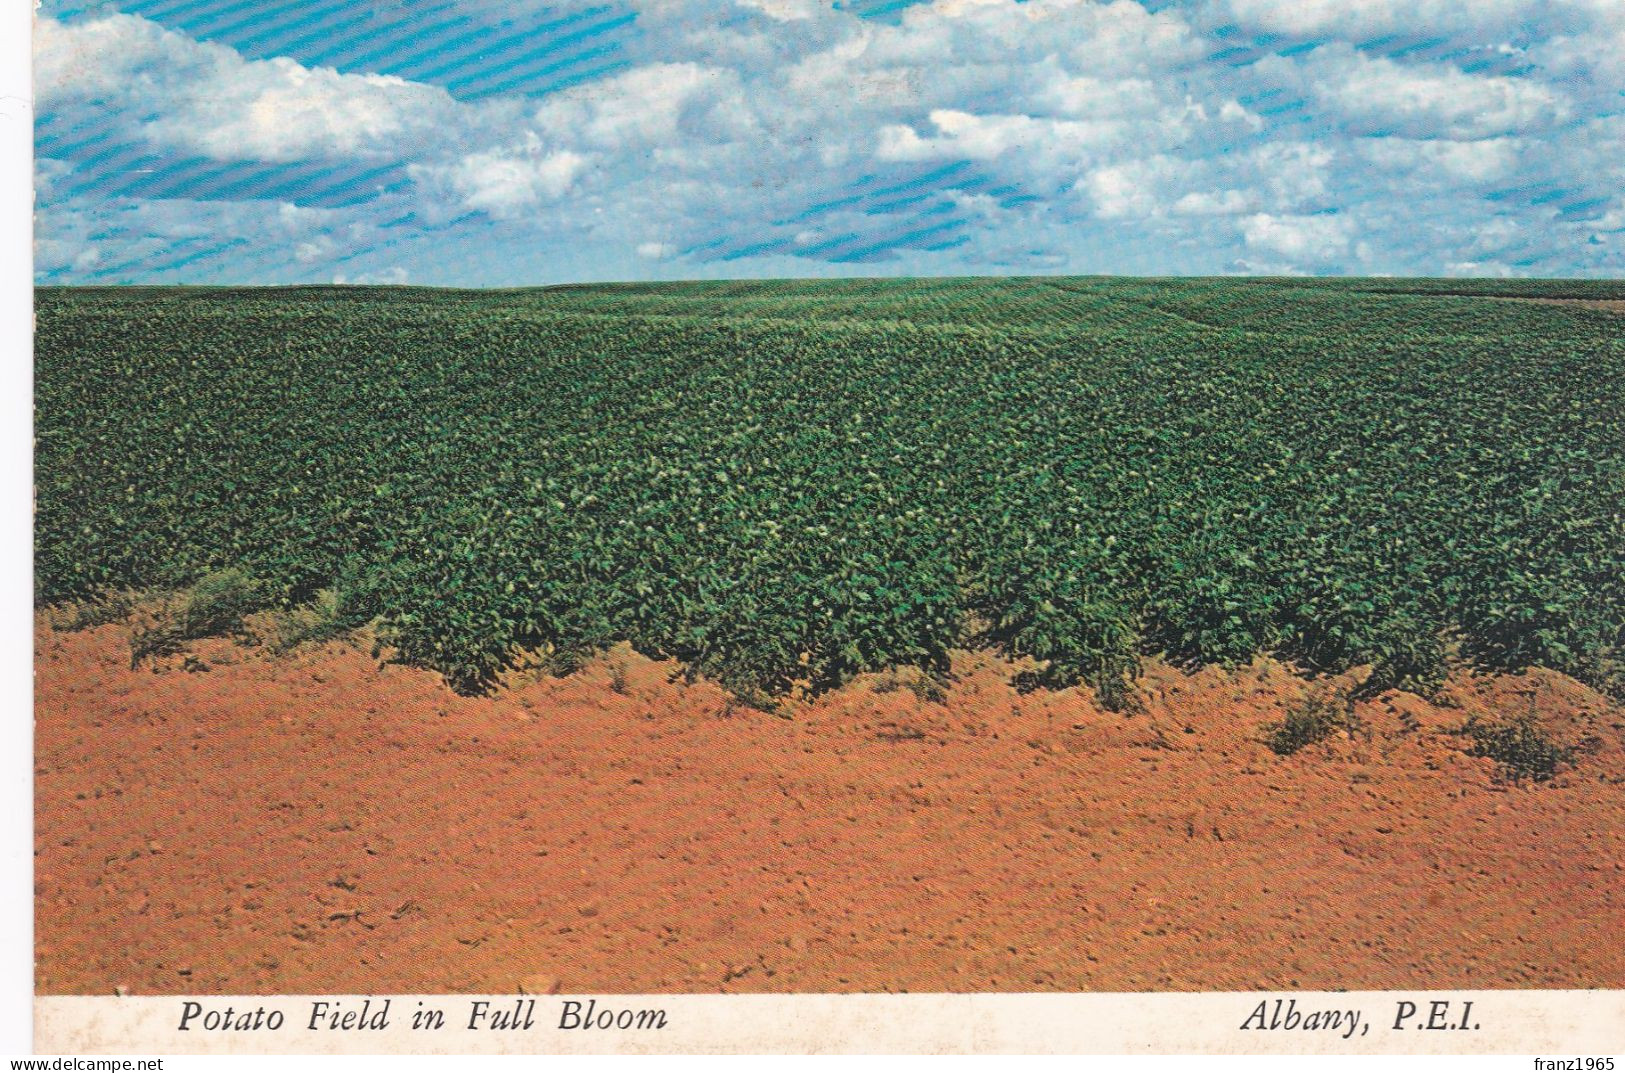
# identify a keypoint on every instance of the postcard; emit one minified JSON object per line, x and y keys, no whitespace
{"x":956,"y":526}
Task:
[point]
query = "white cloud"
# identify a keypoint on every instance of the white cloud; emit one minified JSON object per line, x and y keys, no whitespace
{"x":1213,"y":203}
{"x":103,"y":56}
{"x":1595,"y":55}
{"x":317,"y":249}
{"x":508,"y":184}
{"x":1397,"y":99}
{"x":1480,"y":269}
{"x":1446,"y":161}
{"x":207,"y":98}
{"x":1358,"y":20}
{"x":1128,"y":190}
{"x":1299,"y":238}
{"x":279,"y":110}
{"x":961,"y":135}
{"x":1089,"y":135}
{"x":1291,"y":174}
{"x":662,"y":104}
{"x":394,"y":275}
{"x":47,"y":173}
{"x":784,"y":10}
{"x":1110,"y":99}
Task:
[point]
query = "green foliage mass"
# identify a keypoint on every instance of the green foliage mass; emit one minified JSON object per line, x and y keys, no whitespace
{"x":1313,"y":719}
{"x":1520,"y":746}
{"x":215,"y":606}
{"x":782,"y":482}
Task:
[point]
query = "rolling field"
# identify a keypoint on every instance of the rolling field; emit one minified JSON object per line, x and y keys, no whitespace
{"x":704,"y":637}
{"x":781,"y":485}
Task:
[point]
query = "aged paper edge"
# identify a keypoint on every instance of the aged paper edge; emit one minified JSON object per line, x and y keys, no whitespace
{"x":1508,"y":1022}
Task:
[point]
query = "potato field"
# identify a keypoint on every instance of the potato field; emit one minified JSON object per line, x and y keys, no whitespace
{"x":783,"y":484}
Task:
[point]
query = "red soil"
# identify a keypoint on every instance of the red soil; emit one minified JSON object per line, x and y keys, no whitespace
{"x":321,"y":823}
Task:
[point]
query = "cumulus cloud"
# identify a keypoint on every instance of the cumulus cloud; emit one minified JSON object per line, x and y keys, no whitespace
{"x":961,"y":135}
{"x":795,"y":137}
{"x":1311,"y":239}
{"x":785,"y":10}
{"x":1213,"y":203}
{"x":663,"y":104}
{"x":1382,"y":96}
{"x":1291,"y":173}
{"x":1445,"y":161}
{"x":1135,"y":188}
{"x":1492,"y":21}
{"x":197,"y":96}
{"x":508,"y":184}
{"x":394,"y":275}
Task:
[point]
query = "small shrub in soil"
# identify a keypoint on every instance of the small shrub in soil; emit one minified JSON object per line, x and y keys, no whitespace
{"x":563,"y":661}
{"x":213,"y":607}
{"x":1606,"y":673}
{"x":1521,"y":747}
{"x":319,"y":620}
{"x":889,"y":683}
{"x":928,"y":687}
{"x":1315,"y":718}
{"x":217,"y":604}
{"x":152,"y":638}
{"x":103,"y":610}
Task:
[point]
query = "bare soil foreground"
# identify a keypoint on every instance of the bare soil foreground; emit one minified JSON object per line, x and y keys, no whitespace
{"x":320,"y":823}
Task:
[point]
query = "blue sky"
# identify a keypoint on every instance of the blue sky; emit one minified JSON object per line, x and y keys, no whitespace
{"x":497,"y":142}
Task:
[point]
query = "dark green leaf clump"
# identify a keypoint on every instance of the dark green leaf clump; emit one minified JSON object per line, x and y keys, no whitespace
{"x":215,"y":606}
{"x":1520,"y":746}
{"x":322,"y":619}
{"x":101,"y":609}
{"x":1313,"y":719}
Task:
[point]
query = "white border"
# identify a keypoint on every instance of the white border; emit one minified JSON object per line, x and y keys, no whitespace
{"x":16,"y":529}
{"x":16,"y":678}
{"x":1552,"y":1023}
